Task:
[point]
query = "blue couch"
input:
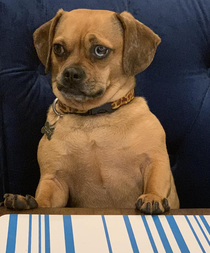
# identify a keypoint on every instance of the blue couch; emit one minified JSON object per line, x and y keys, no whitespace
{"x":176,"y":86}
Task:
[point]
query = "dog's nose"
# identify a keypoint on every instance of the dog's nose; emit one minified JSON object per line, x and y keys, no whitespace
{"x":73,"y":75}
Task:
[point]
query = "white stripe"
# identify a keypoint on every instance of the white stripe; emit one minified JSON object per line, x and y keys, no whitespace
{"x":203,"y":227}
{"x":187,"y":234}
{"x":140,"y":233}
{"x":4,"y":220}
{"x":118,"y":235}
{"x":169,"y":234}
{"x":42,"y":234}
{"x":155,"y":235}
{"x":89,"y":235}
{"x":35,"y":234}
{"x":22,"y":234}
{"x":199,"y":233}
{"x":57,"y":241}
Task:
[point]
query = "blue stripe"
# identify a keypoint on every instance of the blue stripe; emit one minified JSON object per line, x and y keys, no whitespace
{"x":149,"y":234}
{"x":107,"y":234}
{"x":12,"y":230}
{"x":177,"y":234}
{"x":47,"y":234}
{"x":68,"y":232}
{"x":162,"y":234}
{"x":205,"y":224}
{"x":29,"y":233}
{"x":130,"y":233}
{"x":188,"y":221}
{"x":40,"y":238}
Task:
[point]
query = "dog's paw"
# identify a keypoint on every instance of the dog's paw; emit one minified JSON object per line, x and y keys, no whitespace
{"x":152,"y":204}
{"x":18,"y":202}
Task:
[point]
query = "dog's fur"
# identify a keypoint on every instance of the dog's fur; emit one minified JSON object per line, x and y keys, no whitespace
{"x":109,"y":160}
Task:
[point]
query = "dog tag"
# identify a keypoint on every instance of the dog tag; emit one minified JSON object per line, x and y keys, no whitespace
{"x":48,"y":130}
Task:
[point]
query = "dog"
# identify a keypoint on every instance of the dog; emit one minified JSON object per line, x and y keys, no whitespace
{"x":102,"y":147}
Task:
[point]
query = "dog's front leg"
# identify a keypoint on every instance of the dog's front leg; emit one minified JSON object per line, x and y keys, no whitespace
{"x":157,"y":185}
{"x":52,"y":191}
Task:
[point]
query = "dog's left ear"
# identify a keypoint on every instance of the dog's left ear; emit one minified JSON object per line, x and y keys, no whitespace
{"x":140,"y":44}
{"x":43,"y":38}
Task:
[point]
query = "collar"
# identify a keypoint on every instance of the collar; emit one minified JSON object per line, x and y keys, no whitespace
{"x":60,"y":109}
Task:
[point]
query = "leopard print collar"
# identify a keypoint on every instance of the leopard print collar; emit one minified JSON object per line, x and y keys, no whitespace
{"x":60,"y":109}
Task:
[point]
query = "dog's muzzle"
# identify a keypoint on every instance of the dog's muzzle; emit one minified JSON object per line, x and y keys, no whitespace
{"x":72,"y":82}
{"x":73,"y":76}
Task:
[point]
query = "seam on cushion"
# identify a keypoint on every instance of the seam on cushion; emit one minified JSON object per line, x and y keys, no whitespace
{"x":3,"y":159}
{"x":195,"y":119}
{"x":128,"y":4}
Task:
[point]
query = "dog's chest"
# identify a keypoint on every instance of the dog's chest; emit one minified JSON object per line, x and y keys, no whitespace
{"x":98,"y":136}
{"x":100,"y":150}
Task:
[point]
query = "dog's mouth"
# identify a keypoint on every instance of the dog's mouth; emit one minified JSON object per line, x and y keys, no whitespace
{"x":73,"y":84}
{"x":82,"y":93}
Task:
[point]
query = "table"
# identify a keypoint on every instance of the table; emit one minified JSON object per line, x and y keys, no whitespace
{"x":102,"y":211}
{"x":61,"y":230}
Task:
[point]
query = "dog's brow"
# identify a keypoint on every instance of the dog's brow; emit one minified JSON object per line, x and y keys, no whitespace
{"x":60,"y":41}
{"x":93,"y":39}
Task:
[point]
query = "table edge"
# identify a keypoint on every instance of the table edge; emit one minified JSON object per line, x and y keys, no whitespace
{"x":98,"y":211}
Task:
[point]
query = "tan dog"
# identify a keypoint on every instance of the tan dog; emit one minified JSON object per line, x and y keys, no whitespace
{"x":102,"y":147}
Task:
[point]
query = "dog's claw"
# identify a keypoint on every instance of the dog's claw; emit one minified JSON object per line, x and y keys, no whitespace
{"x":156,"y":208}
{"x":147,"y":209}
{"x":6,"y":195}
{"x":31,"y":202}
{"x":18,"y":204}
{"x":166,"y":205}
{"x":139,"y":204}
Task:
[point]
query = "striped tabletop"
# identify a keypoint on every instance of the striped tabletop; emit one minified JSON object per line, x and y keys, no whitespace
{"x":104,"y":234}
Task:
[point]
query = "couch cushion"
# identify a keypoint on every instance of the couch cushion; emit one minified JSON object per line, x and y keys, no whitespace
{"x":176,"y":86}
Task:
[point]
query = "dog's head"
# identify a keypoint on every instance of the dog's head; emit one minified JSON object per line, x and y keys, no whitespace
{"x":94,"y":55}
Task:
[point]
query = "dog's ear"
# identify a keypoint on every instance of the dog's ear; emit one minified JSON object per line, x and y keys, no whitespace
{"x":43,"y":38}
{"x":140,"y":44}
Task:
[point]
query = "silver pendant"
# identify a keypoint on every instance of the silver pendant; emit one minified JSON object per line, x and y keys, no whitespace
{"x":49,"y":129}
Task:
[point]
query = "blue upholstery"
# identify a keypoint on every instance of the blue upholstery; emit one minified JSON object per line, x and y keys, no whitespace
{"x":176,"y":86}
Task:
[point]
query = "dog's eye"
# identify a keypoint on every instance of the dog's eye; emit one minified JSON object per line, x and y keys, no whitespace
{"x":101,"y":51}
{"x":58,"y":49}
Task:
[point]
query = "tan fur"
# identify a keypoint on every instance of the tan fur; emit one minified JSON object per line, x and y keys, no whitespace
{"x":105,"y":160}
{"x":108,"y":160}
